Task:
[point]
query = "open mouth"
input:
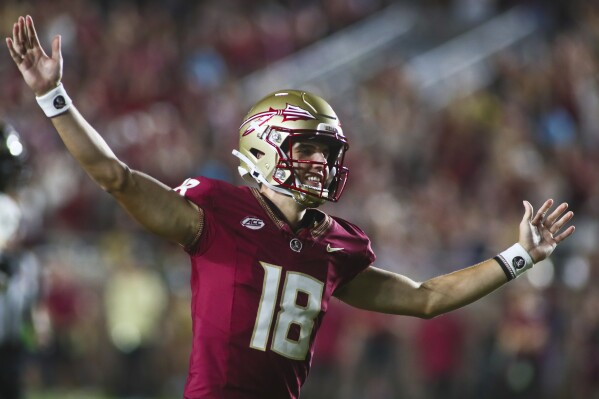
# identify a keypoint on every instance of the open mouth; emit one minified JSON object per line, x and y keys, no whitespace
{"x":313,"y":181}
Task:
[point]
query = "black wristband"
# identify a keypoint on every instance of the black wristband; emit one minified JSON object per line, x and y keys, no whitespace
{"x":506,"y":269}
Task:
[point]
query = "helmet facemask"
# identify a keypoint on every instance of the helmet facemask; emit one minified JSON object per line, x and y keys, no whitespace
{"x":331,"y":180}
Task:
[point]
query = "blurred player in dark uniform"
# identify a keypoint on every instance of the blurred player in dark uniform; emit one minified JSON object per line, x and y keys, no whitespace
{"x":265,"y":262}
{"x":18,"y":271}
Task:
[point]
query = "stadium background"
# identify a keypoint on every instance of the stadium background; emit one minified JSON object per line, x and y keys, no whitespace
{"x":456,"y":111}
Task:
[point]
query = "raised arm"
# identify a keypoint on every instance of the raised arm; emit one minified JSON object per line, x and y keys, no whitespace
{"x":157,"y":207}
{"x":382,"y":291}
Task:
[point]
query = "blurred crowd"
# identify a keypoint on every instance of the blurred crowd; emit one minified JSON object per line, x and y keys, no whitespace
{"x":435,"y":191}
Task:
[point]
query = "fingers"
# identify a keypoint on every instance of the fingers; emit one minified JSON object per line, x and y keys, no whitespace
{"x":56,"y":48}
{"x":557,"y":226}
{"x":13,"y":53}
{"x":28,"y":35}
{"x":553,"y":222}
{"x":550,"y":220}
{"x":527,"y":211}
{"x":33,"y":38}
{"x":557,"y":219}
{"x":565,"y":234}
{"x":540,"y":215}
{"x":21,"y":35}
{"x":15,"y":38}
{"x":24,"y":37}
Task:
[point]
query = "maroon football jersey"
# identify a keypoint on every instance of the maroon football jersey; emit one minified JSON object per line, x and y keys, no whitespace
{"x":260,"y":291}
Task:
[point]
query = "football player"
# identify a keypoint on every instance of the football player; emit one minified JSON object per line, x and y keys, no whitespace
{"x":265,"y":261}
{"x":19,"y":272}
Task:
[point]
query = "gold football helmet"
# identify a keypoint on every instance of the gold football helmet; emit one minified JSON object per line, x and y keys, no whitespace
{"x":268,"y":133}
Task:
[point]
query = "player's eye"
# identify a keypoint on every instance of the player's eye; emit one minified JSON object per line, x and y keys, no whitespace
{"x":305,"y":149}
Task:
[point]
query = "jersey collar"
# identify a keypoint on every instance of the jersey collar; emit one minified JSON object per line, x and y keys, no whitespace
{"x":315,"y":221}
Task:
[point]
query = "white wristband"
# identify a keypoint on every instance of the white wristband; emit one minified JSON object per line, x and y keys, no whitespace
{"x":55,"y":102}
{"x":514,"y":261}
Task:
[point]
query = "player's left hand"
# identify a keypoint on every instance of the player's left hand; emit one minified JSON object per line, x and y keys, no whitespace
{"x":540,"y":234}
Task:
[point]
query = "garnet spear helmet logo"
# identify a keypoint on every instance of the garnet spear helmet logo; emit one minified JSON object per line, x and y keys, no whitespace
{"x":290,"y":113}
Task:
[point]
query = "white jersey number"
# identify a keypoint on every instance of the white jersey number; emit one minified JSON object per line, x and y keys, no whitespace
{"x":291,"y":313}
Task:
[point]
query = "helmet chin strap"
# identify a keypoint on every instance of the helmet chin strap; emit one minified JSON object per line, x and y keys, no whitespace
{"x":255,"y":173}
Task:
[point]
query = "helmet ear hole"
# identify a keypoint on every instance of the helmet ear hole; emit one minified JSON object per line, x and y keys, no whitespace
{"x":286,"y":147}
{"x":257,"y":153}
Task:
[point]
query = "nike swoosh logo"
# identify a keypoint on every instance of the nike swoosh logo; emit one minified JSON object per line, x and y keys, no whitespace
{"x":331,"y":249}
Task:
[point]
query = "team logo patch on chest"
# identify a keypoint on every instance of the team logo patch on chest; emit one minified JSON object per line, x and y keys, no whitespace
{"x":295,"y":245}
{"x":253,"y":223}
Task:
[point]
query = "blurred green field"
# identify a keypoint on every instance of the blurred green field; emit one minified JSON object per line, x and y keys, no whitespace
{"x":59,"y":394}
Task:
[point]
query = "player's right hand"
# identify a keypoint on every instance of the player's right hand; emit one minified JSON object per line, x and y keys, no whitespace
{"x":41,"y":73}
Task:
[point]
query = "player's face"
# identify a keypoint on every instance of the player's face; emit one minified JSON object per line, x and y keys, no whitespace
{"x":312,"y":167}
